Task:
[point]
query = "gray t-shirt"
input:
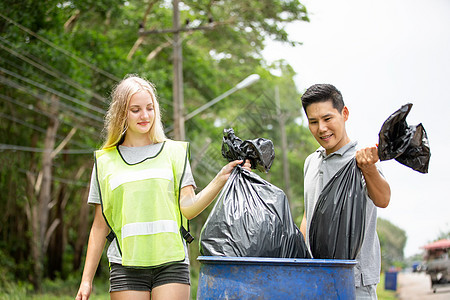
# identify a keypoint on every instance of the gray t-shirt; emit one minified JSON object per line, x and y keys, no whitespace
{"x":319,"y":169}
{"x":134,"y":155}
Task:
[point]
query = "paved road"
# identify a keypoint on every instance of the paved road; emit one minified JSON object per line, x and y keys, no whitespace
{"x":412,"y":286}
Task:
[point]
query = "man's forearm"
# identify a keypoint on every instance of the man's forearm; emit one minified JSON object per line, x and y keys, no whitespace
{"x":377,"y":187}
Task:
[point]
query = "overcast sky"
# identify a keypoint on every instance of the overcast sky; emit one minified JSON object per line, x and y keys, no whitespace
{"x":381,"y":55}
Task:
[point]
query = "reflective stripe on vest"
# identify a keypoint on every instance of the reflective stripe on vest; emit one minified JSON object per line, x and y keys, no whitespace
{"x":144,"y":228}
{"x":140,"y":203}
{"x":125,"y":177}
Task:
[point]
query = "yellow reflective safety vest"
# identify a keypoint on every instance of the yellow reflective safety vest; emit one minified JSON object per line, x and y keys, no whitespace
{"x":140,"y":203}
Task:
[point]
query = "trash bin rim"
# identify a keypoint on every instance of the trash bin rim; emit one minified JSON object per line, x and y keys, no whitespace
{"x":277,"y":261}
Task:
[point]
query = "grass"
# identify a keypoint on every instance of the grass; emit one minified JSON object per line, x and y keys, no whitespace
{"x":62,"y":290}
{"x":65,"y":289}
{"x":52,"y":290}
{"x":384,"y":294}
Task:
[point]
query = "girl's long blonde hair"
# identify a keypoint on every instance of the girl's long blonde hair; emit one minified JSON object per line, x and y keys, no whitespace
{"x":116,"y":116}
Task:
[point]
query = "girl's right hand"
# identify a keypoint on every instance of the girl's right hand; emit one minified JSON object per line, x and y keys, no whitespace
{"x":84,"y":291}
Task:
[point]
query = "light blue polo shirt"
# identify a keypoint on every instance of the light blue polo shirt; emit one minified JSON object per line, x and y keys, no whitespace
{"x":319,"y":169}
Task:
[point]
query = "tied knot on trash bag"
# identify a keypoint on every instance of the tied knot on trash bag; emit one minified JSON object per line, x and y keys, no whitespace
{"x":407,"y":144}
{"x":260,"y":151}
{"x":251,"y":217}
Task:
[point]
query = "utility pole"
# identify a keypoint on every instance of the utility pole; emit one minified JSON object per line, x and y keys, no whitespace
{"x":284,"y":147}
{"x":178,"y":98}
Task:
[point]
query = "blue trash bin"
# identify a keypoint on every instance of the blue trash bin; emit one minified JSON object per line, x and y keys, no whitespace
{"x":390,"y":281}
{"x":275,"y":278}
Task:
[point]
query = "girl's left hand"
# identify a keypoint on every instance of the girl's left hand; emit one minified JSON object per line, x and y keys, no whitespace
{"x":226,"y":170}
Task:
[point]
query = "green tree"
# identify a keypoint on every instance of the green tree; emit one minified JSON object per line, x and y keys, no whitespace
{"x":58,"y":63}
{"x":392,"y":242}
{"x":443,"y":235}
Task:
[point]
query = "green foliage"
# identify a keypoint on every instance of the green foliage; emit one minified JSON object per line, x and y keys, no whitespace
{"x":53,"y":289}
{"x":6,"y":265}
{"x":392,"y":242}
{"x":443,"y":235}
{"x":15,"y":291}
{"x":78,"y":51}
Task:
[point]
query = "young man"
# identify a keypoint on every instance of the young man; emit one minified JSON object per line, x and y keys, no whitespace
{"x":327,"y":114}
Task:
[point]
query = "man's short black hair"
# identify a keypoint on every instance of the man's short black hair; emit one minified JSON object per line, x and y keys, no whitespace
{"x":321,"y":93}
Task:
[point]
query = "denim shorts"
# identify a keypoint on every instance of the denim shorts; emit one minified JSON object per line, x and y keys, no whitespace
{"x":134,"y":279}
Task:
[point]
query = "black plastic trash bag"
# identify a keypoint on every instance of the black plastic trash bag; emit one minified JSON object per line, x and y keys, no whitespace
{"x":406,"y":144}
{"x":251,"y":217}
{"x":338,"y":223}
{"x":260,"y":152}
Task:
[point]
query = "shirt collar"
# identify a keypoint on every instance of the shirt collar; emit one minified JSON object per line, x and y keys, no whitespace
{"x":341,"y":151}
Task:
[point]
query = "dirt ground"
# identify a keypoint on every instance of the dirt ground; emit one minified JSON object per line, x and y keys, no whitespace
{"x":418,"y":286}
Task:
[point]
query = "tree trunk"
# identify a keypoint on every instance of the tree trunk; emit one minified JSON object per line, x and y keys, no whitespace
{"x":82,"y":232}
{"x":284,"y":147}
{"x":56,"y":245}
{"x":39,"y":211}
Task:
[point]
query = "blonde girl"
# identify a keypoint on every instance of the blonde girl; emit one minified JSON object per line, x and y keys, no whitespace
{"x":143,"y":192}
